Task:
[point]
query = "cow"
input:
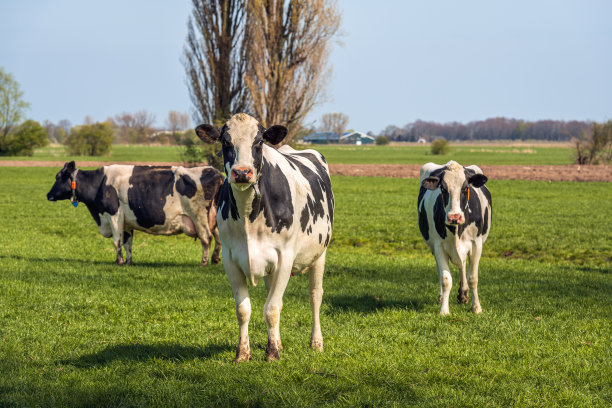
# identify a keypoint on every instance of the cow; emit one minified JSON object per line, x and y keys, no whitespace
{"x":275,"y":217}
{"x":160,"y":200}
{"x":455,"y":211}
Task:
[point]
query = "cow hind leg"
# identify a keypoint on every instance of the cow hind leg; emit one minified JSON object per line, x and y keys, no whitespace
{"x":128,"y":238}
{"x":215,"y":256}
{"x":279,"y":343}
{"x":205,"y":250}
{"x":473,"y":276}
{"x":462,"y":296}
{"x":272,"y":309}
{"x":315,"y":288}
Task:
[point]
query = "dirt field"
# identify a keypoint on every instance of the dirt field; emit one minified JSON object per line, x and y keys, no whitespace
{"x":547,"y":173}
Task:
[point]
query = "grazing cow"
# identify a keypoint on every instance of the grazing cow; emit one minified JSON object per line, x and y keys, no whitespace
{"x":275,"y":216}
{"x":156,"y":200}
{"x":455,"y":218}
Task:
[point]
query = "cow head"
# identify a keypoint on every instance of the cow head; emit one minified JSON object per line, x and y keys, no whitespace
{"x":454,"y":181}
{"x":242,"y":139}
{"x":62,"y":190}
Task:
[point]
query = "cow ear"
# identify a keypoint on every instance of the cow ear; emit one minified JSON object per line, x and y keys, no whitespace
{"x":431,"y":183}
{"x":70,"y":167}
{"x":275,"y":134}
{"x":207,"y":133}
{"x":478,"y":180}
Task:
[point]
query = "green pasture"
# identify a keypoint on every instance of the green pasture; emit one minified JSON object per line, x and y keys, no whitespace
{"x":348,"y":154}
{"x":76,"y":330}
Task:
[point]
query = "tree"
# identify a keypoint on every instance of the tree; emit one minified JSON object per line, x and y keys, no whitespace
{"x":288,"y":47}
{"x":133,"y":128}
{"x":334,"y":122}
{"x":440,"y":146}
{"x":24,"y":139}
{"x":143,"y":122}
{"x":177,"y":122}
{"x":595,"y":145}
{"x":91,"y":140}
{"x":381,"y":140}
{"x":12,"y":106}
{"x":214,"y":59}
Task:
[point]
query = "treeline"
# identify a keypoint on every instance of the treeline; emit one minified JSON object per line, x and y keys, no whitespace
{"x":489,"y":129}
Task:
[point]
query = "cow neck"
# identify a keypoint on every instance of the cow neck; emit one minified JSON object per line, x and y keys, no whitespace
{"x":244,"y":204}
{"x":87,"y":185}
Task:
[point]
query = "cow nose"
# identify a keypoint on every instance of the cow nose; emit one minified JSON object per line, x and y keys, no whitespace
{"x":453,"y":218}
{"x":49,"y":197}
{"x":242,"y":174}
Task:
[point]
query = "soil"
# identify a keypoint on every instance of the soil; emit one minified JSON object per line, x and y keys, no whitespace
{"x":535,"y":172}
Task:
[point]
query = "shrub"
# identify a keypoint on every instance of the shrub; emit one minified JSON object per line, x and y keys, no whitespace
{"x":91,"y":140}
{"x":595,"y":145}
{"x":22,"y":142}
{"x":382,"y":140}
{"x":195,"y":152}
{"x":440,"y":146}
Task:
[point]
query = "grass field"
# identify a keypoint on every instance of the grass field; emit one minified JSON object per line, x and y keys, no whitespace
{"x":75,"y":330}
{"x":405,"y":154}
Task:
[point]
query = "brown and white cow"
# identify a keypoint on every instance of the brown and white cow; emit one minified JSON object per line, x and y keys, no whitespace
{"x":156,"y":200}
{"x":275,"y":216}
{"x":454,"y":209}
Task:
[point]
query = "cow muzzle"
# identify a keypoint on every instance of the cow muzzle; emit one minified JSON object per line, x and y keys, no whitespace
{"x":50,"y":197}
{"x":454,"y":219}
{"x":242,"y":175}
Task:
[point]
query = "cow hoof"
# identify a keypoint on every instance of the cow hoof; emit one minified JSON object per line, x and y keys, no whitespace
{"x":242,"y":355}
{"x":215,"y":261}
{"x":463,"y":297}
{"x":272,"y":352}
{"x":440,"y":299}
{"x":204,"y":263}
{"x":129,"y":262}
{"x":120,"y":262}
{"x":444,"y":313}
{"x":477,"y":310}
{"x":317,"y":345}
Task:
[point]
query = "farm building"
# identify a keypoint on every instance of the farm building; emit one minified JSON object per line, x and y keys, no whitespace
{"x":352,"y":137}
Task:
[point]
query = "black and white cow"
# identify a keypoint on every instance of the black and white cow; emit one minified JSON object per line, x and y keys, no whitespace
{"x":455,"y":219}
{"x":156,"y":200}
{"x":275,"y":216}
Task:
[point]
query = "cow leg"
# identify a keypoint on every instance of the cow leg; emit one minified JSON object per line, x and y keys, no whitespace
{"x":279,"y":343}
{"x":473,"y":275}
{"x":117,"y":231}
{"x":446,"y":281}
{"x":215,"y":256}
{"x":315,"y":288}
{"x":462,"y":296}
{"x":128,"y":238}
{"x":243,"y":310}
{"x":273,"y":307}
{"x":205,"y":250}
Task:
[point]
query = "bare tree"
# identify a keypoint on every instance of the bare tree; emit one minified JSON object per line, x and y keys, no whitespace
{"x":289,"y":44}
{"x":334,"y":122}
{"x":143,"y":122}
{"x":214,"y":59}
{"x":124,"y":122}
{"x":177,"y":121}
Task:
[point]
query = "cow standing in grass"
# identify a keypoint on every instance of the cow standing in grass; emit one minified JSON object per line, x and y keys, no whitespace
{"x":455,"y":218}
{"x":276,"y":210}
{"x":155,"y":200}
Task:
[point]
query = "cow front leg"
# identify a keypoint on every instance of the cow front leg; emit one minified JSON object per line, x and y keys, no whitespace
{"x":128,"y":238}
{"x":462,"y":296}
{"x":446,"y":281}
{"x":272,"y":309}
{"x":243,"y":310}
{"x":473,"y":275}
{"x":279,"y":343}
{"x":205,"y":250}
{"x":315,"y":289}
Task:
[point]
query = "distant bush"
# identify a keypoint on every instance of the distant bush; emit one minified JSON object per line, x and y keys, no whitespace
{"x":22,"y":142}
{"x":440,"y":146}
{"x":90,"y":140}
{"x":594,"y":146}
{"x":195,"y":153}
{"x":382,"y":140}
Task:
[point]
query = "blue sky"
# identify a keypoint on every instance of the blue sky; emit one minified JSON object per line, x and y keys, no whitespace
{"x":400,"y":60}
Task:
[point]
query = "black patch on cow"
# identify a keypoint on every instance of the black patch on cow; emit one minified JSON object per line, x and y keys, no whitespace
{"x":304,"y":217}
{"x":150,"y":186}
{"x":126,"y":236}
{"x":423,"y":224}
{"x":227,"y":202}
{"x":211,"y":180}
{"x":275,"y":200}
{"x":186,"y":186}
{"x":439,"y":217}
{"x":487,"y":195}
{"x":319,"y":184}
{"x":320,"y":238}
{"x":229,"y":153}
{"x":98,"y":197}
{"x":327,"y":239}
{"x":474,"y":214}
{"x":485,"y":225}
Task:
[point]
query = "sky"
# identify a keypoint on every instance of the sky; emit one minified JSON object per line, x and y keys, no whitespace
{"x":397,"y":60}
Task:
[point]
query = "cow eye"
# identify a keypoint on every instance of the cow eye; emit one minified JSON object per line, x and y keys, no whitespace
{"x":225,"y":143}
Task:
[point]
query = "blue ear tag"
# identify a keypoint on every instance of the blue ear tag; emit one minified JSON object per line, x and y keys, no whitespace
{"x":75,"y":203}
